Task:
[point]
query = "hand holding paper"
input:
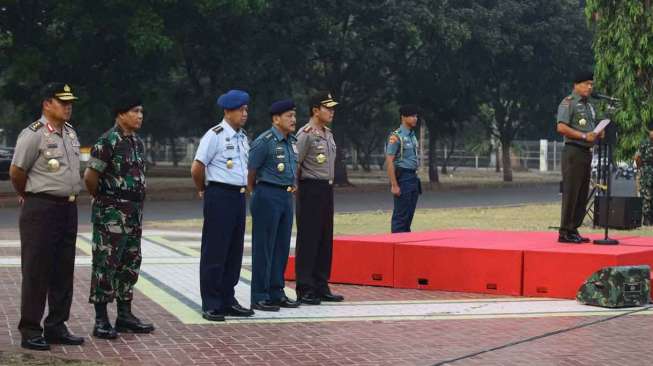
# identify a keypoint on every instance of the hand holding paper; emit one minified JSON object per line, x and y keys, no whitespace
{"x":601,"y":126}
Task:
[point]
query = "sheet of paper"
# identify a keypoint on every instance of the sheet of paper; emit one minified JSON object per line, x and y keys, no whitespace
{"x":601,"y":126}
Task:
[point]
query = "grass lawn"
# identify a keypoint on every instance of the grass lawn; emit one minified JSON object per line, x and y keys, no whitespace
{"x":525,"y":217}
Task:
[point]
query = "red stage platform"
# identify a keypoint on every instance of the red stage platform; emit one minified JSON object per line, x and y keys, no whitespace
{"x":498,"y":262}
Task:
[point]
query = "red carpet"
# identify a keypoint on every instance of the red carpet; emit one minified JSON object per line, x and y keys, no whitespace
{"x":498,"y":262}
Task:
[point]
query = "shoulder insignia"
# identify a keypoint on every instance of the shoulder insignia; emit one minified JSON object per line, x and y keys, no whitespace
{"x":307,"y":128}
{"x":243,"y":131}
{"x":327,"y":128}
{"x":393,"y":138}
{"x":267,"y":135}
{"x":569,"y":97}
{"x":217,"y":129}
{"x":36,"y":125}
{"x":69,"y":126}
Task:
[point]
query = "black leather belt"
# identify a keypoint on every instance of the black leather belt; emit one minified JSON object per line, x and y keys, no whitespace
{"x":315,"y":181}
{"x":286,"y":188}
{"x":229,"y":187}
{"x":69,"y":199}
{"x":575,"y":144}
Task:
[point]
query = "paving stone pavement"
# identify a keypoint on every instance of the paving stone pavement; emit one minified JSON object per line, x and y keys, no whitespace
{"x":375,"y":326}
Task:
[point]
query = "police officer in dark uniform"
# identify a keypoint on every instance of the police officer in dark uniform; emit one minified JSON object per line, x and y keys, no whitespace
{"x":271,"y":178}
{"x":45,"y":174}
{"x":402,"y":162}
{"x":317,"y":155}
{"x":220,"y":175}
{"x":576,"y":121}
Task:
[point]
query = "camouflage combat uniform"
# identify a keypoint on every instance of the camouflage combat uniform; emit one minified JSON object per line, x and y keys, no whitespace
{"x":117,"y":214}
{"x":646,"y":181}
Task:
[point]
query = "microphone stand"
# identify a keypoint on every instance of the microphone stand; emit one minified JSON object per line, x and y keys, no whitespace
{"x":605,"y":173}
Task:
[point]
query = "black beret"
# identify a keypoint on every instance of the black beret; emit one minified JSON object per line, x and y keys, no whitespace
{"x":407,"y":110}
{"x":281,"y":106}
{"x":58,"y":90}
{"x":125,"y":103}
{"x":581,"y":76}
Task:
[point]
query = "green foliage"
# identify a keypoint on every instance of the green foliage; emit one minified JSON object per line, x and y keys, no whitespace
{"x":623,"y":47}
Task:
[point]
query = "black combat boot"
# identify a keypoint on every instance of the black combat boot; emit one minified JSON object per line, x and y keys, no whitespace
{"x":103,"y":328}
{"x":127,"y":322}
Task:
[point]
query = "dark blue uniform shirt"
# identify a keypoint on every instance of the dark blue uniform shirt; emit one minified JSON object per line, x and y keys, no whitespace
{"x":274,"y":157}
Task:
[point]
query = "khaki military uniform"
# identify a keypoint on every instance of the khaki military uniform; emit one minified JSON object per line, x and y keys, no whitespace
{"x":47,"y":224}
{"x":579,"y":114}
{"x":316,"y":149}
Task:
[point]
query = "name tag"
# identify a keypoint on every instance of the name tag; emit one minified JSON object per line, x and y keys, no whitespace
{"x":294,"y":148}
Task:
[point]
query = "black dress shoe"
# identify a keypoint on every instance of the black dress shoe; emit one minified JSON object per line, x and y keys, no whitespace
{"x":310,"y":299}
{"x":285,"y":302}
{"x":37,"y":343}
{"x":213,"y":315}
{"x":569,"y":238}
{"x":329,"y":297}
{"x":265,"y":305}
{"x":583,"y":239}
{"x":63,"y":337}
{"x":237,"y":310}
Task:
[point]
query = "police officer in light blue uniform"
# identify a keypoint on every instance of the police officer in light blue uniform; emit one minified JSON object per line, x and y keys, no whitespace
{"x":402,"y":162}
{"x":220,"y":175}
{"x":271,"y":178}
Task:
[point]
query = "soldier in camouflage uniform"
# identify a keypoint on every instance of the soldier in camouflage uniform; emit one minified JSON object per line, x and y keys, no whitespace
{"x":644,"y":159}
{"x":115,"y":177}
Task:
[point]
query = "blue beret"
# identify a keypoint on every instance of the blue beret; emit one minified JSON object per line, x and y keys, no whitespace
{"x":233,"y":99}
{"x":281,"y":106}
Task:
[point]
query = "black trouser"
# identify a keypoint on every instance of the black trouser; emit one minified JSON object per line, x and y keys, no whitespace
{"x":223,"y":235}
{"x":314,"y":246}
{"x":576,"y":171}
{"x":48,"y":232}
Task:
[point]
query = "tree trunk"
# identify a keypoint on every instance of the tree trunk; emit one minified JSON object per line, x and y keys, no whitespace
{"x":507,"y":166}
{"x":433,"y":161}
{"x":497,"y":159}
{"x":340,"y":174}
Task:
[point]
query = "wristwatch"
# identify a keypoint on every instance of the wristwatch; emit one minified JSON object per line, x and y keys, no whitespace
{"x":584,"y":136}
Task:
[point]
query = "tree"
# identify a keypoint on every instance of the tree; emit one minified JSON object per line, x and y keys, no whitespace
{"x":623,"y":47}
{"x":523,"y":55}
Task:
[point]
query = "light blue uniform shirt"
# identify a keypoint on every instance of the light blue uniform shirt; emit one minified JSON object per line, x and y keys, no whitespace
{"x":224,"y":152}
{"x":404,"y":151}
{"x":274,"y":158}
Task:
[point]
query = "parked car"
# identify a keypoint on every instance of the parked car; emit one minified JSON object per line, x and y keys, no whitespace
{"x":6,"y":153}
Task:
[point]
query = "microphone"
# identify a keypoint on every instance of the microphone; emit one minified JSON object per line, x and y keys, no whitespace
{"x":605,"y":97}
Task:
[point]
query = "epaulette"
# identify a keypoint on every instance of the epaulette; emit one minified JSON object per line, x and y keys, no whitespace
{"x":267,"y":135}
{"x":217,"y":129}
{"x":243,"y":131}
{"x":307,"y":128}
{"x":327,"y":128}
{"x":69,"y":126}
{"x":36,"y":125}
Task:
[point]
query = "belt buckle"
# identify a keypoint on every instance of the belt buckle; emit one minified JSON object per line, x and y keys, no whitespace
{"x":242,"y":189}
{"x":71,"y":198}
